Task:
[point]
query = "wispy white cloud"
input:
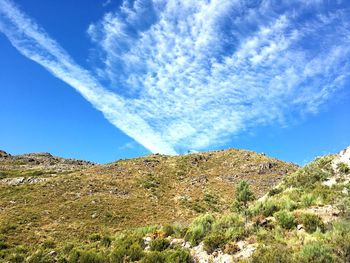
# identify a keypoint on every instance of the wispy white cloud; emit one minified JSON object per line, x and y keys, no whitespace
{"x":189,"y":74}
{"x":34,"y":43}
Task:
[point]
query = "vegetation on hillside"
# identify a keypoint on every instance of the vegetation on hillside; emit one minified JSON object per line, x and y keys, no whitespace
{"x":300,"y":220}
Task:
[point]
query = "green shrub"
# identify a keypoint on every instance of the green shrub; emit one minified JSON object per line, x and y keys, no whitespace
{"x":285,"y":219}
{"x":179,"y":230}
{"x":340,"y":239}
{"x":153,"y":257}
{"x":3,"y":245}
{"x":48,"y":244}
{"x":106,"y":241}
{"x":168,"y":230}
{"x":277,"y":253}
{"x":213,"y":242}
{"x":159,"y":244}
{"x":228,"y":221}
{"x":235,"y":233}
{"x":211,"y":200}
{"x":91,"y":257}
{"x":311,"y":174}
{"x":128,"y":247}
{"x":16,"y":258}
{"x":40,"y":257}
{"x":308,"y":200}
{"x":95,"y":237}
{"x":199,"y":228}
{"x":268,"y":208}
{"x":120,"y":255}
{"x":316,"y":252}
{"x":135,"y":252}
{"x":311,"y":222}
{"x":132,"y":253}
{"x":343,"y":168}
{"x":275,"y":191}
{"x":67,"y":248}
{"x":179,"y":255}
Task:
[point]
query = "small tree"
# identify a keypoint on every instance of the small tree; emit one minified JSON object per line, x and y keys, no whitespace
{"x":243,"y":196}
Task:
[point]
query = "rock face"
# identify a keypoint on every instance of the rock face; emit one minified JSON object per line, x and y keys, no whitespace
{"x":342,"y":157}
{"x":40,"y":161}
{"x":4,"y":154}
{"x":22,"y":180}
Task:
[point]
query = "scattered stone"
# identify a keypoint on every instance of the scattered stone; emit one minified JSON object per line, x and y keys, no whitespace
{"x":52,"y":253}
{"x":246,"y":250}
{"x":94,"y":215}
{"x":264,"y":167}
{"x":177,"y":241}
{"x":327,"y":213}
{"x":300,"y":227}
{"x":119,"y":192}
{"x":196,"y":159}
{"x":345,"y":191}
{"x":22,"y":180}
{"x":330,"y":182}
{"x":202,"y":179}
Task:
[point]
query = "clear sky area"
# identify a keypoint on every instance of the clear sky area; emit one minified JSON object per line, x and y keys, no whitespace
{"x":105,"y":80}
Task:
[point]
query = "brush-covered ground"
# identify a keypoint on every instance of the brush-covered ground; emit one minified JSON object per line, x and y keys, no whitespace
{"x":187,"y":204}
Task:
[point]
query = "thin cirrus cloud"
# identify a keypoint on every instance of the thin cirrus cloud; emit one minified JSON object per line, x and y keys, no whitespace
{"x":181,"y":75}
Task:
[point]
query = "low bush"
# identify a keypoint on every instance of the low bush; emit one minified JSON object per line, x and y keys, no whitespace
{"x":168,"y":230}
{"x":178,"y":256}
{"x":159,"y":244}
{"x":81,"y":256}
{"x":3,"y":245}
{"x":106,"y":241}
{"x":128,"y":247}
{"x":343,"y":168}
{"x":316,"y":252}
{"x":273,"y":253}
{"x":339,"y":237}
{"x":48,"y":244}
{"x":285,"y":219}
{"x":231,"y":248}
{"x":275,"y":191}
{"x":213,"y":242}
{"x":235,"y":233}
{"x":199,"y":228}
{"x":95,"y":237}
{"x":311,"y":222}
{"x":228,"y":221}
{"x":268,"y":208}
{"x":311,"y":174}
{"x":308,"y":200}
{"x":40,"y":256}
{"x":153,"y":257}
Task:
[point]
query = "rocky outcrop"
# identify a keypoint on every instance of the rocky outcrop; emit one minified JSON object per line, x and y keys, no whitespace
{"x":4,"y":154}
{"x":40,"y":161}
{"x":22,"y":180}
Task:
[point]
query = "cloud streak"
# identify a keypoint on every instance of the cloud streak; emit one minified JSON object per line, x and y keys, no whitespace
{"x":33,"y":42}
{"x":189,"y":74}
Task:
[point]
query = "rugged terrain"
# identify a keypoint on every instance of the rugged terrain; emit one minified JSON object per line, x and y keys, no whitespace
{"x":177,"y":209}
{"x":46,"y":197}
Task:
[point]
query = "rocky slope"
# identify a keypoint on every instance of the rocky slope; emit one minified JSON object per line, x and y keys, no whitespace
{"x":142,"y":210}
{"x":40,"y":161}
{"x":45,"y":197}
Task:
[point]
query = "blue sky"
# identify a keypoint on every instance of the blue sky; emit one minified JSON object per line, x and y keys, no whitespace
{"x":117,"y":79}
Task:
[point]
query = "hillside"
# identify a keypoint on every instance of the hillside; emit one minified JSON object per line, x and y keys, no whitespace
{"x":43,"y":197}
{"x":304,"y":218}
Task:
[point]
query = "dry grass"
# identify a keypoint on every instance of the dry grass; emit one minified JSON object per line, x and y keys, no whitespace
{"x":154,"y":189}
